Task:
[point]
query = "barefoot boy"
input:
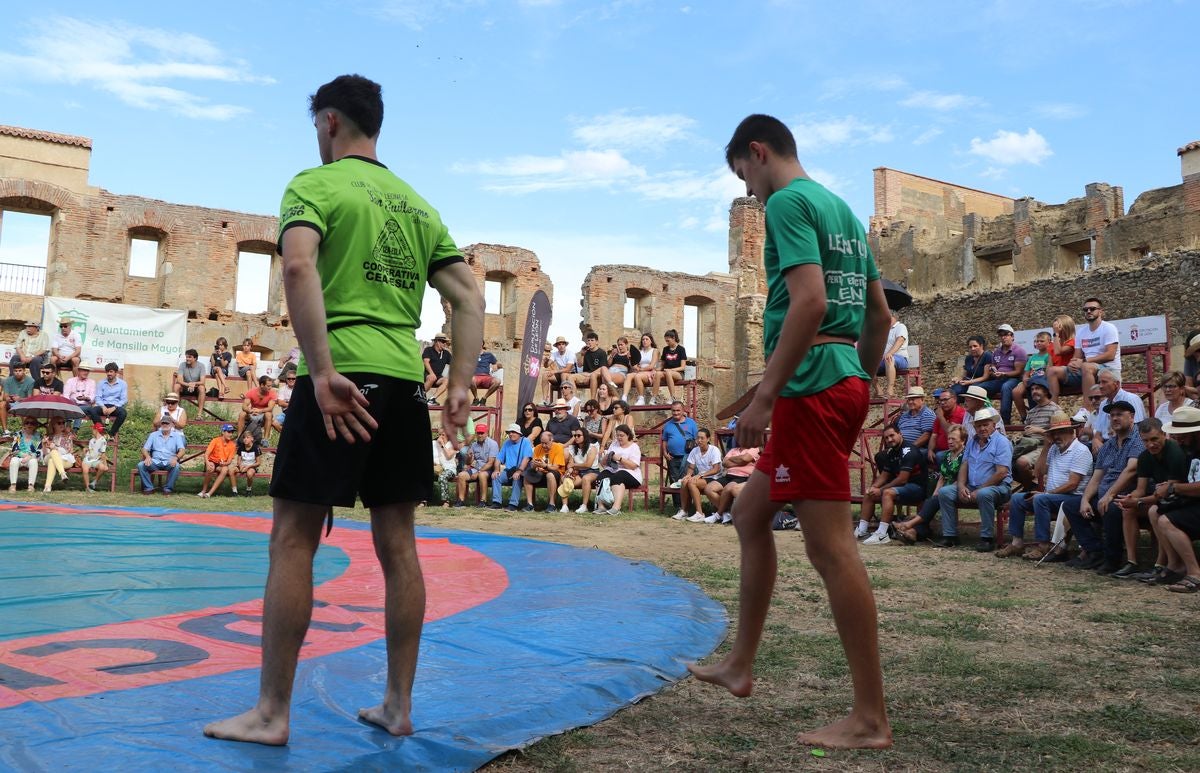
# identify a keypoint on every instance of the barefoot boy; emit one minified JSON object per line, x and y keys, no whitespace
{"x":823,"y":297}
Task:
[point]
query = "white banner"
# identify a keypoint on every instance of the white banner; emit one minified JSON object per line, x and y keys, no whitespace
{"x":115,"y":332}
{"x":1135,"y":331}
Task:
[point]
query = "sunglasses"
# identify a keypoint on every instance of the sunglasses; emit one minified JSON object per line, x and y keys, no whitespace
{"x":1086,"y":309}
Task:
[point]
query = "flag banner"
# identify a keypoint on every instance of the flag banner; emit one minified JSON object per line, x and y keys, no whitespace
{"x":116,"y":332}
{"x":537,"y":322}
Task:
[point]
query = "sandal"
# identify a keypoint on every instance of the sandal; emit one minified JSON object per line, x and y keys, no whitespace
{"x":1035,"y":554}
{"x":907,"y":536}
{"x":1186,"y":585}
{"x":1009,"y":550}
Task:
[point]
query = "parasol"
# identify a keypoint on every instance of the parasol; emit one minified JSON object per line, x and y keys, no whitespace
{"x":46,"y":407}
{"x":897,"y":297}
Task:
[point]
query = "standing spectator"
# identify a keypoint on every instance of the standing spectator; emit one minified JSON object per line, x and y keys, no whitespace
{"x":188,"y":380}
{"x":248,"y":458}
{"x":218,"y":459}
{"x":436,"y":359}
{"x":511,"y":463}
{"x":679,"y":437}
{"x":290,"y":361}
{"x":1036,"y":367}
{"x":615,"y":373}
{"x":66,"y":347}
{"x":1066,"y":464}
{"x":485,"y":376}
{"x":1099,"y":345}
{"x":111,"y":396}
{"x":1174,"y":387}
{"x":977,"y":366}
{"x":163,"y":450}
{"x":170,"y":407}
{"x":560,"y":365}
{"x":591,"y":360}
{"x":49,"y":384}
{"x":95,"y":458}
{"x":81,"y":389}
{"x":33,"y":348}
{"x":445,"y":465}
{"x":219,"y":364}
{"x":672,"y":360}
{"x":583,"y":465}
{"x":895,"y":354}
{"x":703,"y":467}
{"x":545,"y":469}
{"x":531,"y":424}
{"x":1008,"y":363}
{"x":738,"y":464}
{"x":643,"y":375}
{"x":901,"y":478}
{"x":478,"y":462}
{"x":916,"y":423}
{"x":984,"y":480}
{"x":622,"y":469}
{"x":948,"y":414}
{"x":257,"y":407}
{"x":562,"y":423}
{"x":25,"y":452}
{"x":1027,"y":449}
{"x":283,"y":397}
{"x":247,"y":363}
{"x":1163,"y":461}
{"x":1111,"y":391}
{"x":58,"y":451}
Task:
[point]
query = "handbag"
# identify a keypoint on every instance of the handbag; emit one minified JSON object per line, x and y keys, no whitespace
{"x":604,"y":496}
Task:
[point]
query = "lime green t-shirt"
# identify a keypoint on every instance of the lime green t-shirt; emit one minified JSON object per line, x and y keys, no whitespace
{"x":1037,"y":361}
{"x":380,"y":241}
{"x":808,"y":224}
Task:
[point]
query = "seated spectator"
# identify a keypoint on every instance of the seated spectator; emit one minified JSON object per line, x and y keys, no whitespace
{"x":703,"y":467}
{"x":25,"y":451}
{"x":17,"y":385}
{"x":1090,"y":409}
{"x":558,"y":368}
{"x":95,"y":458}
{"x":678,"y":435}
{"x":568,"y":394}
{"x":111,"y":396}
{"x":80,"y":388}
{"x":1174,"y":387}
{"x":722,"y":492}
{"x":948,"y":414}
{"x":163,"y":450}
{"x":248,"y":458}
{"x":66,"y":347}
{"x":477,"y":460}
{"x":445,"y":465}
{"x":591,"y":360}
{"x":1036,"y":367}
{"x":895,"y":354}
{"x":672,"y":360}
{"x":1008,"y":363}
{"x":188,"y":380}
{"x":620,"y":415}
{"x":901,"y":479}
{"x":605,"y":399}
{"x":32,"y":349}
{"x":58,"y":451}
{"x":511,"y":463}
{"x":283,"y":396}
{"x":219,"y":364}
{"x":562,"y":423}
{"x":984,"y":479}
{"x":592,"y":421}
{"x":257,"y":406}
{"x":170,"y":407}
{"x":977,"y":366}
{"x":615,"y":373}
{"x":218,"y":459}
{"x":916,"y":528}
{"x":1176,"y":513}
{"x":546,"y":469}
{"x":583,"y":465}
{"x":531,"y":423}
{"x":975,"y":399}
{"x":644,"y":373}
{"x":247,"y":363}
{"x":1096,"y":521}
{"x":485,"y":376}
{"x":49,"y":383}
{"x":1191,"y":364}
{"x":1028,"y":447}
{"x":1062,"y":352}
{"x":1163,"y":461}
{"x":1099,"y":345}
{"x":1111,"y":391}
{"x":1065,"y":463}
{"x":916,"y":423}
{"x":436,"y":359}
{"x":622,"y":468}
{"x":290,"y":361}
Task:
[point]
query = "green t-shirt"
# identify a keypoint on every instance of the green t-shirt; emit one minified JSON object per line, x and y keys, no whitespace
{"x":380,"y":241}
{"x":1037,"y":361}
{"x":1172,"y":466}
{"x":808,"y":224}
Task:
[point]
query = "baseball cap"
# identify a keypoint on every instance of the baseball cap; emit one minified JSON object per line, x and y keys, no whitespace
{"x":481,"y":427}
{"x":514,"y":427}
{"x":1119,"y":405}
{"x":227,"y":428}
{"x":98,"y":426}
{"x":1005,"y":328}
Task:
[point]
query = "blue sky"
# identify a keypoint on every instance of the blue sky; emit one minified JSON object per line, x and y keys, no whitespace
{"x":594,"y":132}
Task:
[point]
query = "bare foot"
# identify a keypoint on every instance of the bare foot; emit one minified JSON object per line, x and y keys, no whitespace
{"x":251,"y":727}
{"x":395,"y":722}
{"x":850,"y":733}
{"x":738,"y":681}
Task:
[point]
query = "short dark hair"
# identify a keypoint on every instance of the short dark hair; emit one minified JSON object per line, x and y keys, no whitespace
{"x":112,"y":366}
{"x":624,"y":406}
{"x":359,"y":99}
{"x":264,"y":379}
{"x":760,"y":128}
{"x":982,"y":341}
{"x":590,"y":404}
{"x":1148,"y":425}
{"x":591,"y":336}
{"x":192,"y":353}
{"x":1097,"y":301}
{"x":672,"y":333}
{"x":626,"y":429}
{"x":894,"y":427}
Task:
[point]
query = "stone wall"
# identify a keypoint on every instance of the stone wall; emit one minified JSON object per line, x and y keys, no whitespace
{"x":934,"y":206}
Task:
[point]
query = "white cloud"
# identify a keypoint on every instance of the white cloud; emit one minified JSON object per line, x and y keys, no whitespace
{"x":1007,"y":148}
{"x":131,"y":63}
{"x":1060,"y":111}
{"x":719,"y":184}
{"x":623,"y":131}
{"x":933,"y":100}
{"x":813,"y":136}
{"x":994,"y":173}
{"x":570,"y":169}
{"x":931,"y":133}
{"x":831,"y":180}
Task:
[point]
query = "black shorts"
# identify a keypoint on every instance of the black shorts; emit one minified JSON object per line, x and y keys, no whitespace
{"x":1187,"y":520}
{"x":725,"y":480}
{"x":186,"y":391}
{"x":394,"y":467}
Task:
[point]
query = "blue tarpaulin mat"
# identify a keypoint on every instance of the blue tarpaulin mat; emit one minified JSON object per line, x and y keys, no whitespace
{"x":124,"y":631}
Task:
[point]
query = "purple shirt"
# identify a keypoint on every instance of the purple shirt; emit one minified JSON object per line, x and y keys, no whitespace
{"x":1007,"y":361}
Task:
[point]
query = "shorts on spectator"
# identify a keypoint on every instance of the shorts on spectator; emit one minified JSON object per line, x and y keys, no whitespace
{"x":213,"y":371}
{"x":901,"y":364}
{"x":806,"y":454}
{"x":89,"y":464}
{"x":185,"y":391}
{"x":1187,"y":520}
{"x":483,"y":381}
{"x":1074,"y":378}
{"x":725,"y":480}
{"x":910,"y":494}
{"x":243,"y":370}
{"x":618,"y":369}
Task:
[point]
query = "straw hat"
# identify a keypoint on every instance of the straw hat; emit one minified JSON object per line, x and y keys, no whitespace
{"x":1060,"y":421}
{"x":976,"y":391}
{"x":915,"y":391}
{"x":985,"y":414}
{"x":1183,"y":421}
{"x":1193,"y":346}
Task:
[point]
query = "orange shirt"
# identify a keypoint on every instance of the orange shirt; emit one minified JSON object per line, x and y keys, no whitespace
{"x":221,"y":450}
{"x":244,"y":359}
{"x":557,"y":460}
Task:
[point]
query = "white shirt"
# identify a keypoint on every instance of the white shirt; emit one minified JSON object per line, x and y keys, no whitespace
{"x":284,"y":392}
{"x":647,"y":358}
{"x":1094,"y":342}
{"x":633,"y":453}
{"x":565,"y":361}
{"x":703,"y":462}
{"x":1101,"y":424}
{"x":897,"y":330}
{"x":65,"y":345}
{"x":1060,"y":464}
{"x":1163,"y":412}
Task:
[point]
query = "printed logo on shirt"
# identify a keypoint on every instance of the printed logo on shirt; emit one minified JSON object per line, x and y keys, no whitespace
{"x":783,"y":474}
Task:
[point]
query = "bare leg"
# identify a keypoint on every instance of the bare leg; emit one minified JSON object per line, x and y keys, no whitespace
{"x":404,"y":594}
{"x":618,"y":492}
{"x":1055,"y":375}
{"x":890,"y":369}
{"x":287,"y":609}
{"x":693,"y":487}
{"x":1129,"y":529}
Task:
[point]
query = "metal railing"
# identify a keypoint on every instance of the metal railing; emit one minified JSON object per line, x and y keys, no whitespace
{"x":26,"y":280}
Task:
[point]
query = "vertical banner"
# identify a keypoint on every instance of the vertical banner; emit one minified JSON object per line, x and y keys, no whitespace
{"x":537,"y":322}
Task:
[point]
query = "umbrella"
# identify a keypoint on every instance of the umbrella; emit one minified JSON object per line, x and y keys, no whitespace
{"x":47,"y":407}
{"x":897,"y":297}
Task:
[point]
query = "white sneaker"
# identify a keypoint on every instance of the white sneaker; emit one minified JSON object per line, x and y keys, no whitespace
{"x":726,"y":518}
{"x":233,"y":490}
{"x":680,"y":515}
{"x":613,"y":512}
{"x":860,"y":532}
{"x":714,"y":518}
{"x":696,"y":518}
{"x":641,"y":400}
{"x":654,"y":399}
{"x":675,"y":485}
{"x":564,"y":509}
{"x":581,"y":510}
{"x":878,"y":539}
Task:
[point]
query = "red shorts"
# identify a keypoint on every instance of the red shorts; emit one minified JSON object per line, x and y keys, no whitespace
{"x":811,"y":439}
{"x":483,"y":381}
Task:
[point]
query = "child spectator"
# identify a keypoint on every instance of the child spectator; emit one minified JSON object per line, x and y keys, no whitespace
{"x":219,"y":364}
{"x":247,"y":363}
{"x":218,"y":458}
{"x":249,"y":449}
{"x":1036,"y":367}
{"x":96,"y":456}
{"x":643,"y":375}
